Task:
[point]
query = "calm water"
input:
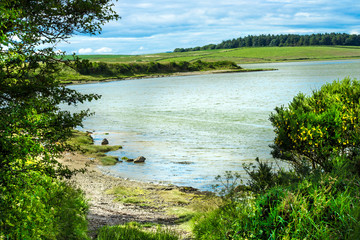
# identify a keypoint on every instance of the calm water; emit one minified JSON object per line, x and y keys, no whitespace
{"x":193,"y":128}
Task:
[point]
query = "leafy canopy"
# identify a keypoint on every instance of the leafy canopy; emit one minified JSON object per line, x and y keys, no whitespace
{"x":33,"y":129}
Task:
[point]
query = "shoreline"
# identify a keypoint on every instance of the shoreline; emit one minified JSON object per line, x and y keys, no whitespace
{"x":176,"y":74}
{"x":105,"y":210}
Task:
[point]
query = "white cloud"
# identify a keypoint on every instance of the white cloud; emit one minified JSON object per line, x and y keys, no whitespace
{"x":160,"y":25}
{"x":103,"y":50}
{"x":85,"y":50}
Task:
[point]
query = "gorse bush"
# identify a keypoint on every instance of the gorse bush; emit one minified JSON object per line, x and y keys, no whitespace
{"x":319,"y":197}
{"x":317,"y":129}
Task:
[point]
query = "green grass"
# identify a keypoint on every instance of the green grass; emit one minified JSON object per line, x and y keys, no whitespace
{"x":135,"y":231}
{"x":86,"y":70}
{"x":109,"y":160}
{"x":325,"y":207}
{"x":240,"y":55}
{"x":84,"y":143}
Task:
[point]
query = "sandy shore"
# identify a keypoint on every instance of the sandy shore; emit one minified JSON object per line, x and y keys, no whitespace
{"x":103,"y":209}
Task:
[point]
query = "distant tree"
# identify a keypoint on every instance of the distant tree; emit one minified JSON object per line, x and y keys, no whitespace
{"x":284,"y":40}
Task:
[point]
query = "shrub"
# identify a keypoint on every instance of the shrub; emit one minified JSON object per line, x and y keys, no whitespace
{"x":35,"y":206}
{"x":324,"y":208}
{"x":317,"y":129}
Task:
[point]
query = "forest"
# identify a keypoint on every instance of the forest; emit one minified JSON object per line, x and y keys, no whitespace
{"x":283,"y":40}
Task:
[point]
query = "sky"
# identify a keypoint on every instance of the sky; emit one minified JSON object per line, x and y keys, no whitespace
{"x":162,"y":25}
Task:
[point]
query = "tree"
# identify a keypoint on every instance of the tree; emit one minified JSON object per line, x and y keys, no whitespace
{"x":29,"y":91}
{"x":33,"y":129}
{"x":321,"y":130}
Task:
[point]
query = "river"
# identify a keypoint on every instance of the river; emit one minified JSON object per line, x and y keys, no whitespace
{"x":193,"y":128}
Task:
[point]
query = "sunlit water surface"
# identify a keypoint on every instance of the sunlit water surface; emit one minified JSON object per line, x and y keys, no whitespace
{"x":192,"y":128}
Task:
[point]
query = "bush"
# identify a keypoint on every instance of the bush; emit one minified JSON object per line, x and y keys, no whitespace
{"x":317,"y":129}
{"x":35,"y":206}
{"x":324,"y":208}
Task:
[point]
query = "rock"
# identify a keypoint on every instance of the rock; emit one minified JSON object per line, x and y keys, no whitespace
{"x":104,"y":142}
{"x":140,"y":159}
{"x":129,"y":160}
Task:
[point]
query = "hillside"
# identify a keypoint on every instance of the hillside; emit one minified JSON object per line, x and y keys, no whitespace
{"x":240,"y":55}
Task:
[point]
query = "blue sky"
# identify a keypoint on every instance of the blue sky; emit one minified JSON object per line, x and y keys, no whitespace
{"x":160,"y":26}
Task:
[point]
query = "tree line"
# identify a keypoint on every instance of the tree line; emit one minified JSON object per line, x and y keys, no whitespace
{"x":283,"y":40}
{"x":85,"y":67}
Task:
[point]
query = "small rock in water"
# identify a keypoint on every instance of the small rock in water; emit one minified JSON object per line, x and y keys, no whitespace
{"x":129,"y":160}
{"x":104,"y":142}
{"x":140,"y":159}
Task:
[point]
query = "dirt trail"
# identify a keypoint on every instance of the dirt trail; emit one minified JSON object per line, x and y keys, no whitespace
{"x":103,"y":209}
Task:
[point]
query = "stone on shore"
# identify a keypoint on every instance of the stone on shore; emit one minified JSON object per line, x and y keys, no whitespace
{"x":140,"y":159}
{"x":104,"y":142}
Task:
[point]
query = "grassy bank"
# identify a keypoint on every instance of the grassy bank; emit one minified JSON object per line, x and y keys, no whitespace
{"x":239,"y":55}
{"x":86,"y":70}
{"x":85,"y":144}
{"x":105,"y":67}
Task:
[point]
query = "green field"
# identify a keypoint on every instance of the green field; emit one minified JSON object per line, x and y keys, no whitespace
{"x":240,"y":55}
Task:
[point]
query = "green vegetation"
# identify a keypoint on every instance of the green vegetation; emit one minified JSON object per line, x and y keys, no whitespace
{"x":182,"y":203}
{"x":318,"y":197}
{"x":135,"y":231}
{"x":86,"y":70}
{"x":240,"y":55}
{"x":40,"y":207}
{"x":326,"y":207}
{"x":321,"y":130}
{"x":34,"y":201}
{"x":83,"y":142}
{"x":283,"y":40}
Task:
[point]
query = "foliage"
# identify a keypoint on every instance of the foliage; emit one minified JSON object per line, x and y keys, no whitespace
{"x":39,"y":207}
{"x":86,"y":67}
{"x":321,"y":129}
{"x":319,"y":197}
{"x":33,"y":129}
{"x":282,"y":40}
{"x":325,"y":208}
{"x":227,"y":185}
{"x":263,"y":177}
{"x":134,"y":231}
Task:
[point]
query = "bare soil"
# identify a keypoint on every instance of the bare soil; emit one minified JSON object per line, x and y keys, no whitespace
{"x":103,"y":209}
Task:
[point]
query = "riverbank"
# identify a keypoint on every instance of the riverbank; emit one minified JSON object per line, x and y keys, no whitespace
{"x":116,"y":201}
{"x":177,"y":74}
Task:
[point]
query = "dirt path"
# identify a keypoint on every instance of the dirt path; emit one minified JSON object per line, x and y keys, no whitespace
{"x":104,"y":210}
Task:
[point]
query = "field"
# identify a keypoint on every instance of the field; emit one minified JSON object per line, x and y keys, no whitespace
{"x":240,"y":55}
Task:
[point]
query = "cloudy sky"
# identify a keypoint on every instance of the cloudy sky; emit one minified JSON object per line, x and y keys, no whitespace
{"x":162,"y":25}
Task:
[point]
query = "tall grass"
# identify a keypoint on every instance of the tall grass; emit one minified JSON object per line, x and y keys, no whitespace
{"x":133,"y":231}
{"x":319,"y":207}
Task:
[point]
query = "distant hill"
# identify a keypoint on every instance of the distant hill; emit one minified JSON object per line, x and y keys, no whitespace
{"x":283,"y":40}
